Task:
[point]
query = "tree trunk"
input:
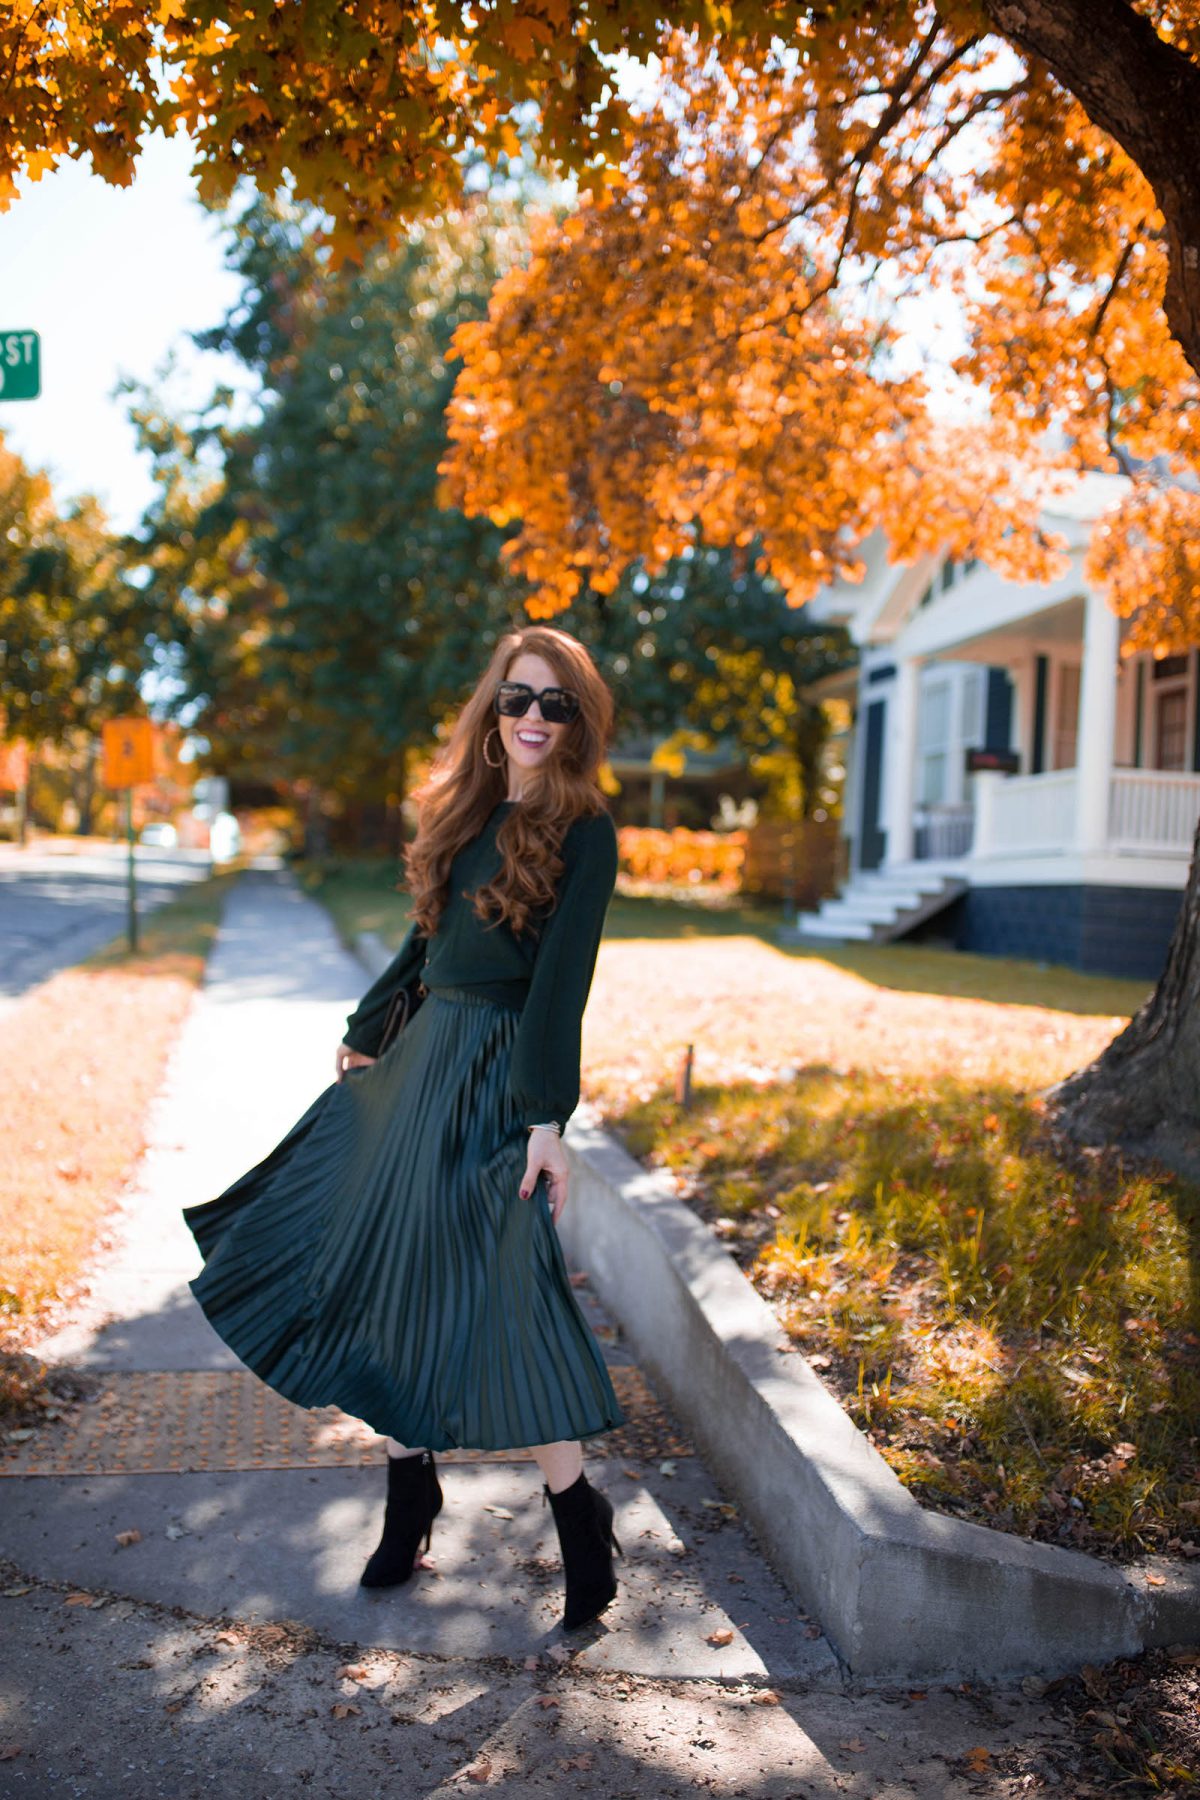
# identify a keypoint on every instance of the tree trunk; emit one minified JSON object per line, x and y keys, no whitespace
{"x":1143,"y":1091}
{"x":85,"y":787}
{"x":1146,"y":94}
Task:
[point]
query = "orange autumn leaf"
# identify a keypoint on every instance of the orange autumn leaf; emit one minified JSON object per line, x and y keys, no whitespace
{"x":715,"y":351}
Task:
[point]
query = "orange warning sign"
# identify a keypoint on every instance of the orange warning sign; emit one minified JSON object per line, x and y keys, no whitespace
{"x":128,"y":749}
{"x":14,"y":764}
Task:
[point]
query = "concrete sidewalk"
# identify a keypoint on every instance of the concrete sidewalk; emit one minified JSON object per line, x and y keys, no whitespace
{"x":188,"y":1545}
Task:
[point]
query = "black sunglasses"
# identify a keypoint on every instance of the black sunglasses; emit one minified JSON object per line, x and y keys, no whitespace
{"x":558,"y":704}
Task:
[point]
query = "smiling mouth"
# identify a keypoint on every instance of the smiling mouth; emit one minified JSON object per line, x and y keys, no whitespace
{"x":533,"y":739}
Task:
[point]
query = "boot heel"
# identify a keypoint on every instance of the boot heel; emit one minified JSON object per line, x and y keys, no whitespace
{"x":414,"y":1500}
{"x":583,"y":1517}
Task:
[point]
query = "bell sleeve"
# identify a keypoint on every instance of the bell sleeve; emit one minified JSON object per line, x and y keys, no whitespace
{"x":543,"y":1076}
{"x":364,"y":1026}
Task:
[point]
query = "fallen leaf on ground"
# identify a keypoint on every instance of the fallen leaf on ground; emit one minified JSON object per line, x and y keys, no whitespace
{"x":500,"y":1512}
{"x":767,"y":1697}
{"x":351,"y":1672}
{"x":721,"y":1636}
{"x":531,"y":1662}
{"x":12,"y":1593}
{"x":1154,"y":1580}
{"x":9,"y":1750}
{"x":854,"y":1744}
{"x":132,"y":1536}
{"x":342,"y":1709}
{"x":546,"y":1701}
{"x":480,"y":1770}
{"x":979,"y":1759}
{"x":78,"y":1600}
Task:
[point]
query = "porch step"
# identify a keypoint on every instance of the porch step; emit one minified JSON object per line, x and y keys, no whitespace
{"x":878,"y":907}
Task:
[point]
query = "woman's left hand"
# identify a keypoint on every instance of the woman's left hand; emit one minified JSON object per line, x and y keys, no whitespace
{"x":546,"y":1152}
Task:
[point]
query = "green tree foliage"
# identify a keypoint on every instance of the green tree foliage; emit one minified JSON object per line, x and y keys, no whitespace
{"x":75,"y":635}
{"x":329,"y":611}
{"x":709,"y":646}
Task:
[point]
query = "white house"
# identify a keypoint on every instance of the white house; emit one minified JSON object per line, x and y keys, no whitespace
{"x":1012,"y":778}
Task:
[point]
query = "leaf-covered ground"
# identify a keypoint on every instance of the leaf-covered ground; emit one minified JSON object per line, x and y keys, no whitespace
{"x":83,"y":1055}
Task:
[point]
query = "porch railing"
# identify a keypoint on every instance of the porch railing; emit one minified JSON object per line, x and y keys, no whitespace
{"x":1033,"y":814}
{"x":1153,"y":810}
{"x":943,"y":831}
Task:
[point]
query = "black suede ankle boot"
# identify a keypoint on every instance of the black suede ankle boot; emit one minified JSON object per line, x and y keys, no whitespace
{"x":584,"y":1516}
{"x":414,"y":1500}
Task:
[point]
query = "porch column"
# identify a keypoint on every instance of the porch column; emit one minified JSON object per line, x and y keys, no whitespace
{"x":1097,"y":723}
{"x":901,"y":760}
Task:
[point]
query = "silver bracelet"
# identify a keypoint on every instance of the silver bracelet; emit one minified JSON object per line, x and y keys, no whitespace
{"x":552,"y":1125}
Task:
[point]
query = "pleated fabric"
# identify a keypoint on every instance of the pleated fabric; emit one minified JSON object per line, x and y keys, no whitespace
{"x":380,"y":1258}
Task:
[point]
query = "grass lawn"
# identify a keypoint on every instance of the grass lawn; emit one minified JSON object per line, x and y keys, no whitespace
{"x":83,"y":1055}
{"x":1016,"y":1330}
{"x":361,"y":895}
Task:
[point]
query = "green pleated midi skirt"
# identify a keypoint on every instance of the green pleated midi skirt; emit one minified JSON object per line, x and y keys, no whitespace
{"x":380,"y":1258}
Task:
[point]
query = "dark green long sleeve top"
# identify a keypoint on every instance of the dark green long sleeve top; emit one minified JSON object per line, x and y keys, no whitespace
{"x":546,"y":974}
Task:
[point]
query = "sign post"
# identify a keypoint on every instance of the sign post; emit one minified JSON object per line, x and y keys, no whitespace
{"x":128,"y":750}
{"x":20,"y":365}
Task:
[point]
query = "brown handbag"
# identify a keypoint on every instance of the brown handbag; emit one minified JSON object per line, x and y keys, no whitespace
{"x":400,"y":1010}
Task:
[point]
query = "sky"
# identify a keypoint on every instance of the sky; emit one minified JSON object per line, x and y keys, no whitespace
{"x":113,"y":279}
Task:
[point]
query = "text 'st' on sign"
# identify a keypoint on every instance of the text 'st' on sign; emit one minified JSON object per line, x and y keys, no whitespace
{"x":20,"y":365}
{"x":128,"y":752}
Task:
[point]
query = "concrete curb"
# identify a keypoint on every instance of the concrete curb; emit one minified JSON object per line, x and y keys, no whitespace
{"x":899,"y":1591}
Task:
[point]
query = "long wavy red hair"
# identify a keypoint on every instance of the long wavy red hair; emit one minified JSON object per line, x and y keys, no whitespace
{"x":462,"y":789}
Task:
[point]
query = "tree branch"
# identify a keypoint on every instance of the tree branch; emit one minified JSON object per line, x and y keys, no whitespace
{"x":1146,"y":95}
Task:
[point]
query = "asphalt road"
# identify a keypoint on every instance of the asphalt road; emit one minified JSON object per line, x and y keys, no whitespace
{"x":58,"y":904}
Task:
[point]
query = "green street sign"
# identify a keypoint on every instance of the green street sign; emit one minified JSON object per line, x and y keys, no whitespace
{"x":20,"y":365}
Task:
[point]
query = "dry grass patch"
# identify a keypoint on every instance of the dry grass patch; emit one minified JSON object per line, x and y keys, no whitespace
{"x":83,"y":1056}
{"x":754,"y":1014}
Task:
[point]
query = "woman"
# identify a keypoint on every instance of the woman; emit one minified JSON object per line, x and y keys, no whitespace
{"x":396,"y":1255}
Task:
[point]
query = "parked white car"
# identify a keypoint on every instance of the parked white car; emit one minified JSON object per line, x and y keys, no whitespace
{"x":159,"y":835}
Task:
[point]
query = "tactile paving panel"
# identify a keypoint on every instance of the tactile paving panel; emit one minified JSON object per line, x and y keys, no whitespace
{"x":173,"y":1422}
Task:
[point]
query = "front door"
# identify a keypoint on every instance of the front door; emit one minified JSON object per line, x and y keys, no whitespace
{"x":872,"y":838}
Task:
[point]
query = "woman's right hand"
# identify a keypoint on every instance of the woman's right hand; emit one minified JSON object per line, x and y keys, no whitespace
{"x":351,"y":1059}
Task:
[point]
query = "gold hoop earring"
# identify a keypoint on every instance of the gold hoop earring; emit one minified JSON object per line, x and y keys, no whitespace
{"x":487,"y":759}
